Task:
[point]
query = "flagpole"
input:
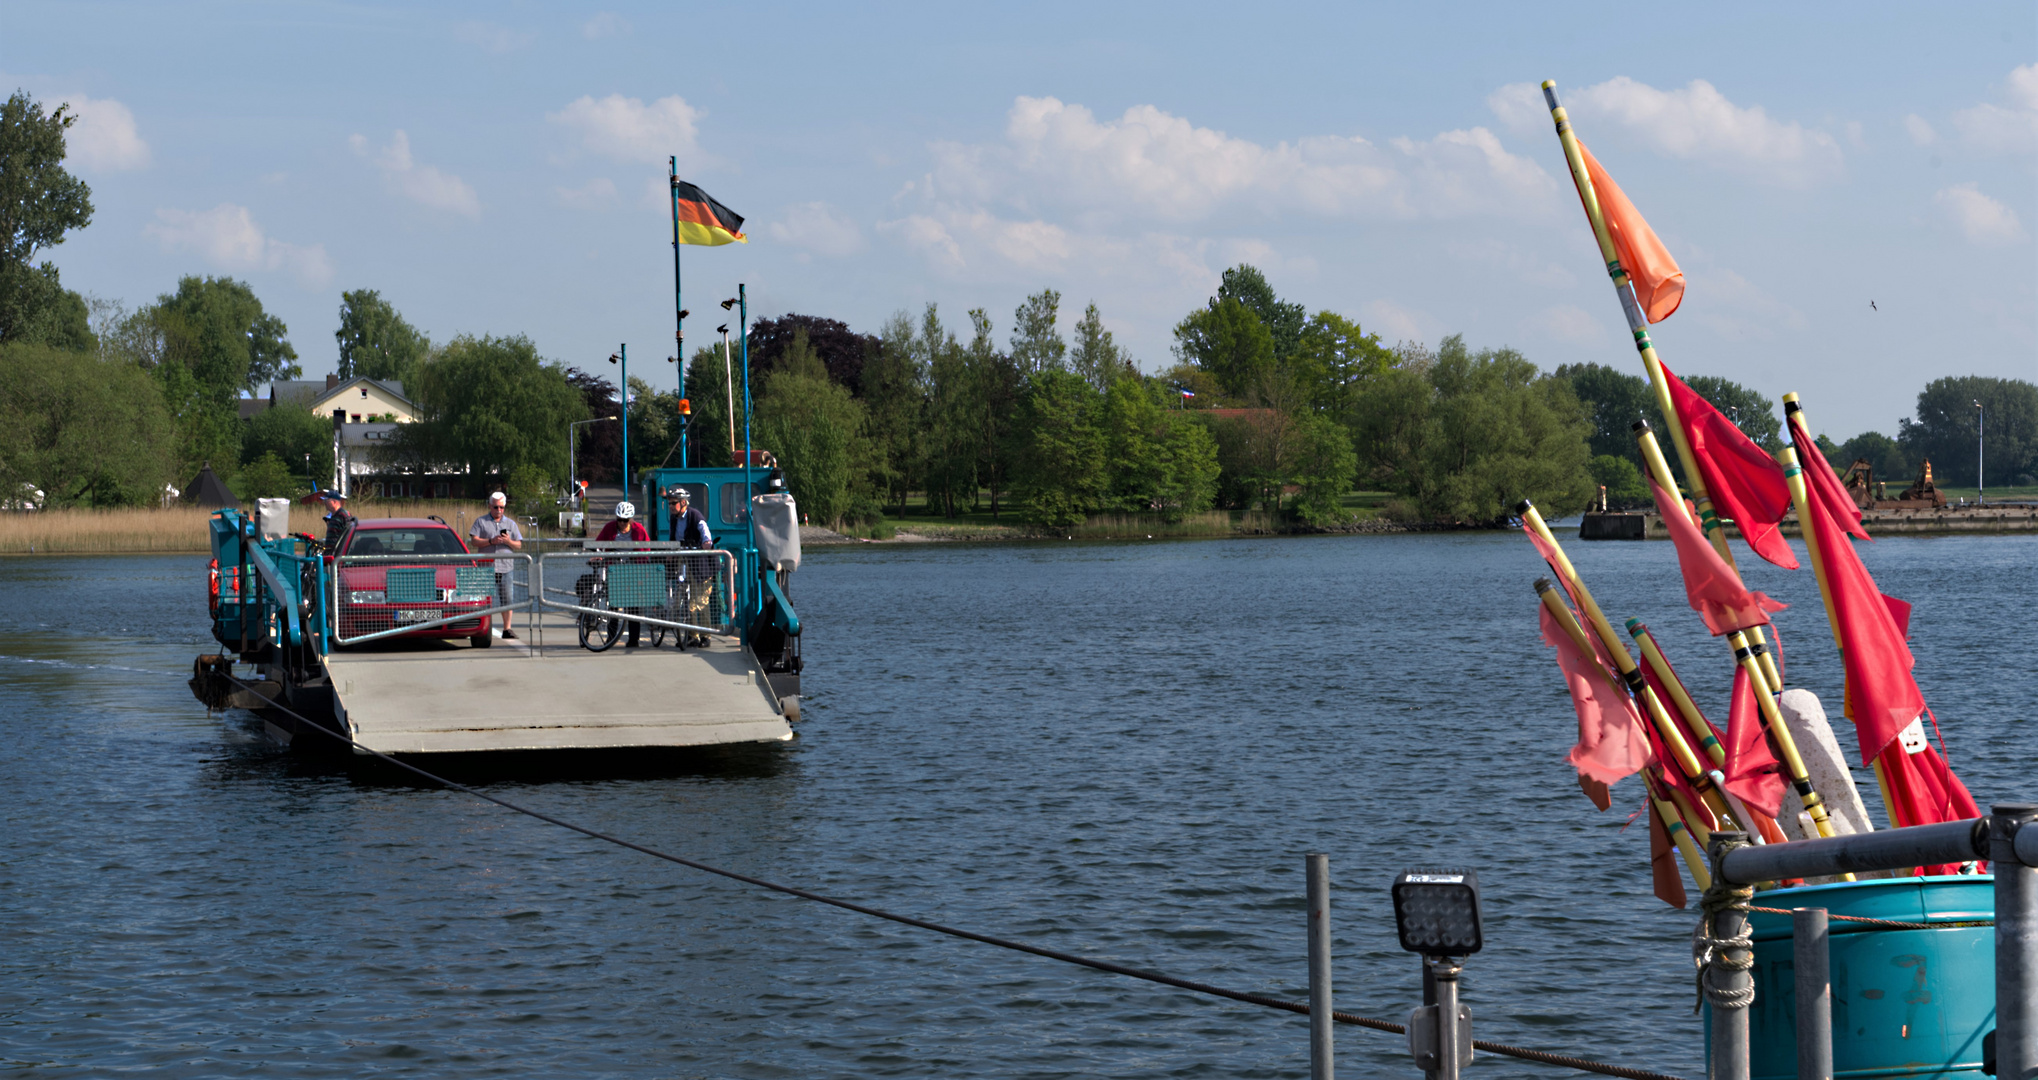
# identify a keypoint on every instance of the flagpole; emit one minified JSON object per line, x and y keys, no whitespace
{"x":678,"y":309}
{"x":1638,"y":325}
{"x":1680,"y":834}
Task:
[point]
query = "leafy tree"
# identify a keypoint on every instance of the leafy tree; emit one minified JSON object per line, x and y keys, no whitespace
{"x":895,"y":392}
{"x":842,"y":350}
{"x":1230,"y":342}
{"x":816,"y":429}
{"x":953,"y":417}
{"x":1622,"y":481}
{"x":1037,"y":344}
{"x":375,"y":341}
{"x":39,"y":202}
{"x":290,"y":432}
{"x":1321,"y":465}
{"x":1754,"y":414}
{"x":266,"y":477}
{"x":1339,"y":358}
{"x":1284,"y":321}
{"x":489,"y":404}
{"x":1096,"y":357}
{"x":597,"y":451}
{"x":205,"y":344}
{"x":998,"y":386}
{"x":1945,"y":429}
{"x":86,"y":431}
{"x":1885,"y":457}
{"x":710,"y":390}
{"x":1060,"y":468}
{"x":1614,"y":400}
{"x":654,"y":427}
{"x":1160,"y":460}
{"x":530,"y":490}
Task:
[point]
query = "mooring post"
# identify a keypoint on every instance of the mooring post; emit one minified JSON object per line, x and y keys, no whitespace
{"x":1809,"y":956}
{"x":2016,"y":938}
{"x":1729,"y":955}
{"x":1322,"y":1066}
{"x":1448,"y":1036}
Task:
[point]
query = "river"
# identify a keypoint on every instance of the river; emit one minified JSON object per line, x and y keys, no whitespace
{"x":1116,"y":749}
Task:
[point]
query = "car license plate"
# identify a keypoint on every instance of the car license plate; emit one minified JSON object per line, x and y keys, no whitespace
{"x":416,"y":615}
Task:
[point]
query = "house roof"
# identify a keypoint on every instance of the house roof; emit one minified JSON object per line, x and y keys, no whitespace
{"x":206,"y":489}
{"x":388,"y":386}
{"x":371,"y":434}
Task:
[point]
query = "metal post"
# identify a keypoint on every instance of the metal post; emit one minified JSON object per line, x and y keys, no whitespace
{"x":1447,"y":1017}
{"x":1810,"y":958}
{"x":1980,"y":446}
{"x":624,"y":354}
{"x":678,"y":308}
{"x":1728,"y":1054}
{"x":1322,"y":1066}
{"x":2016,"y":942}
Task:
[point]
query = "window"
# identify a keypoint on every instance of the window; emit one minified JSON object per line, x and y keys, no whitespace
{"x":356,"y":418}
{"x":364,"y":392}
{"x":404,"y":542}
{"x":735,"y":504}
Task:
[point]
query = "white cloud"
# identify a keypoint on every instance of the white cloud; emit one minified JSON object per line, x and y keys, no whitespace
{"x":1513,"y":261}
{"x":105,"y":138}
{"x":1737,"y":309}
{"x":1392,"y":321}
{"x":1696,"y":123}
{"x":816,"y":227}
{"x":626,"y":129}
{"x":1980,"y":219}
{"x":599,"y":191}
{"x":228,"y":237}
{"x":423,"y":184}
{"x":605,"y":24}
{"x":1920,"y":130}
{"x":2011,"y":129}
{"x":493,"y":38}
{"x":1148,"y":163}
{"x":1569,"y":324}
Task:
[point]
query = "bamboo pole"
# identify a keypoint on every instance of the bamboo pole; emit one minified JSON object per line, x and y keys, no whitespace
{"x":1760,"y":828}
{"x":1680,"y":835}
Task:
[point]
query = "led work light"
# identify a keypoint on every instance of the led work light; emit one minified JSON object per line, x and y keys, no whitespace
{"x":1437,"y":912}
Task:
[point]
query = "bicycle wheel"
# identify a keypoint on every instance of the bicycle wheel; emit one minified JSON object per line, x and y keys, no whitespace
{"x":598,"y":632}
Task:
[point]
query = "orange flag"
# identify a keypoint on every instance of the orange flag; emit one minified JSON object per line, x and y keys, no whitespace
{"x":1659,"y":284}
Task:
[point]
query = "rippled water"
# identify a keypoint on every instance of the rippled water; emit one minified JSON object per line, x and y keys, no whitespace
{"x":1122,"y":750}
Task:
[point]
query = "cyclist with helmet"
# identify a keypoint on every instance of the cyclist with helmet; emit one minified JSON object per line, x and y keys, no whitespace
{"x":625,"y":526}
{"x":690,"y":528}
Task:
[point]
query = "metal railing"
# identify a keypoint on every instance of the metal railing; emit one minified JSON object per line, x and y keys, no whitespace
{"x":381,"y":596}
{"x":656,"y":583}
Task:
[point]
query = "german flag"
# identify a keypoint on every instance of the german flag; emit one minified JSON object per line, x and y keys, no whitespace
{"x":698,"y":219}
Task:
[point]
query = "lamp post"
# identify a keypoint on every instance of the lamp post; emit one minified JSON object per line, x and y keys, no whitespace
{"x":1980,"y":443}
{"x":729,"y":384}
{"x":1437,"y":914}
{"x":573,"y":460}
{"x":622,"y":356}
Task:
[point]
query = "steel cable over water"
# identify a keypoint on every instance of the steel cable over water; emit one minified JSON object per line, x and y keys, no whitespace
{"x":1542,"y":1056}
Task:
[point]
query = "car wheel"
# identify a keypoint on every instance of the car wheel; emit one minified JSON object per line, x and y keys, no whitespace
{"x":482,"y":640}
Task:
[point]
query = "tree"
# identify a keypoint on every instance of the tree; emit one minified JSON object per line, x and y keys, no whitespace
{"x":1945,"y":429}
{"x":1320,"y":465}
{"x":490,"y":404}
{"x":1339,"y":358}
{"x":1160,"y":460}
{"x":205,"y":344}
{"x":39,"y":202}
{"x":895,"y":392}
{"x":291,"y":432}
{"x":86,"y":431}
{"x":1097,"y":358}
{"x":953,"y":411}
{"x":841,"y":349}
{"x":1060,"y":468}
{"x":266,"y":477}
{"x":1885,"y":456}
{"x":597,"y":451}
{"x":710,"y":391}
{"x":1614,"y":400}
{"x":1622,"y":481}
{"x":1037,"y":345}
{"x":1754,"y":414}
{"x":1230,"y":342}
{"x":1284,"y":321}
{"x":375,"y":341}
{"x":816,"y":429}
{"x":998,"y":385}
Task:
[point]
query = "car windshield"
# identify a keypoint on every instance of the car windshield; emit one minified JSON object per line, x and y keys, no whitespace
{"x":404,"y":542}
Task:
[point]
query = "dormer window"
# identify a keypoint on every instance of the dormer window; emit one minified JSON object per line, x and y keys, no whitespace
{"x":364,"y":391}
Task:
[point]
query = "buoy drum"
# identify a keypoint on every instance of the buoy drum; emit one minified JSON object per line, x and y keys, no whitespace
{"x":1905,"y":1002}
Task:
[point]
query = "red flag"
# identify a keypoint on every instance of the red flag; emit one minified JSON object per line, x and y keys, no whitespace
{"x":1753,"y":776}
{"x":1712,"y":587}
{"x":1663,"y":861}
{"x":1821,"y":482}
{"x":1924,"y":791}
{"x":1659,"y":284}
{"x":1747,"y":486}
{"x":1611,"y":744}
{"x":1882,"y":698}
{"x":1549,"y":555}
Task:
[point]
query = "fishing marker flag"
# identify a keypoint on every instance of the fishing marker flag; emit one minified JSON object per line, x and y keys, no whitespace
{"x":1746,"y":485}
{"x":698,"y":219}
{"x":1752,"y":771}
{"x":1659,"y":284}
{"x":1712,"y":587}
{"x":1825,"y":487}
{"x":1611,"y":743}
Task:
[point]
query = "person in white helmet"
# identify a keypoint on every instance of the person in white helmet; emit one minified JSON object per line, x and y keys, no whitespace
{"x":625,"y":526}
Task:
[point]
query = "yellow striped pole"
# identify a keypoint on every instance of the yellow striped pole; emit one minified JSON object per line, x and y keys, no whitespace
{"x":1680,"y":835}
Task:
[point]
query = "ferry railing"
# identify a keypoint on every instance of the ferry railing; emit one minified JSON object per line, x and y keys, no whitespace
{"x":653,"y":582}
{"x":383,"y":596}
{"x":2007,"y":838}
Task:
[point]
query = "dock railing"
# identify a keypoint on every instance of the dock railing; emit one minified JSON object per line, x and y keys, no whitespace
{"x":381,"y":596}
{"x":2007,"y":838}
{"x":654,"y":582}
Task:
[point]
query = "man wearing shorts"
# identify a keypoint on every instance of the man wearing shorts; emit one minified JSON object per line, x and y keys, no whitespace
{"x":497,"y":532}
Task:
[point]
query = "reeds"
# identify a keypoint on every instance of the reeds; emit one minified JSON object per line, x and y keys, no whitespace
{"x":183,"y":529}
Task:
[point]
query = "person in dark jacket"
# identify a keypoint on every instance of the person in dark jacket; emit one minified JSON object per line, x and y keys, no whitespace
{"x":690,"y":528}
{"x":338,"y":521}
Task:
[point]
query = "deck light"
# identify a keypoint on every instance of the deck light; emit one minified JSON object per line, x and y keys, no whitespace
{"x":1437,"y":912}
{"x":729,"y":303}
{"x":685,"y":407}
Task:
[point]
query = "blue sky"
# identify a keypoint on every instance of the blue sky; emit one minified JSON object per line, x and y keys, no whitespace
{"x":499,"y":169}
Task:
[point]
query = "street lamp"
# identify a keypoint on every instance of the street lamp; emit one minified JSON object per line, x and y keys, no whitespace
{"x":729,"y":384}
{"x":1980,"y":422}
{"x":622,"y":356}
{"x":1437,"y":915}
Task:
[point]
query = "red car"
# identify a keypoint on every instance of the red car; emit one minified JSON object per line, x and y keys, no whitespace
{"x":423,"y":592}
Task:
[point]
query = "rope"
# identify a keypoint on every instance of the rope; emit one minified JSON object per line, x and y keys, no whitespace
{"x":1263,"y":1000}
{"x":1714,"y":956}
{"x":1886,"y":924}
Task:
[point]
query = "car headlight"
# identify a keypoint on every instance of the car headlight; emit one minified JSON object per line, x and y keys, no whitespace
{"x":367,"y":596}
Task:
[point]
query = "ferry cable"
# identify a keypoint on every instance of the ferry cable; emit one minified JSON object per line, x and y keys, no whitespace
{"x":1542,"y":1056}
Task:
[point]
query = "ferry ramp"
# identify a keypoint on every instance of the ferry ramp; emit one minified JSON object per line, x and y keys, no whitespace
{"x":544,"y":692}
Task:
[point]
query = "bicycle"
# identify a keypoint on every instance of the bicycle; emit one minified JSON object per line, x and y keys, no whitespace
{"x":597,"y":632}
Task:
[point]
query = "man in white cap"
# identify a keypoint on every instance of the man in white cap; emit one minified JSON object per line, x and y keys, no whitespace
{"x":497,"y":532}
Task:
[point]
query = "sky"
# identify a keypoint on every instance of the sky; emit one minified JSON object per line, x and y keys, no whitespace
{"x":500,"y":169}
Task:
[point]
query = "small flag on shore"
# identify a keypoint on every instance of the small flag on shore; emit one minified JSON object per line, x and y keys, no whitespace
{"x":699,"y":219}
